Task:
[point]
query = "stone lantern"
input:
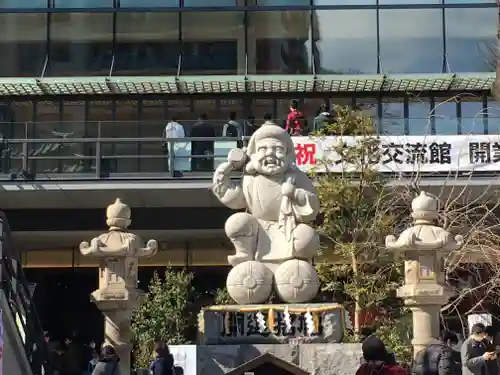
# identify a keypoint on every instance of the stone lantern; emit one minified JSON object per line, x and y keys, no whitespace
{"x":117,"y":297}
{"x":424,"y":247}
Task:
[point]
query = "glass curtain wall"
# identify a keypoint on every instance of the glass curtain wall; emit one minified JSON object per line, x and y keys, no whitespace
{"x":55,"y":38}
{"x":196,"y":37}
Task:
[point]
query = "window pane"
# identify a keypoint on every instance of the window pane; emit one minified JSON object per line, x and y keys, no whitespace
{"x":23,"y":4}
{"x":470,"y":39}
{"x":81,"y":44}
{"x":149,"y":3}
{"x":468,"y":1}
{"x":83,"y":3}
{"x":22,"y":44}
{"x":147,"y":44}
{"x":445,"y":115}
{"x":418,"y":113}
{"x":345,"y":41}
{"x":278,"y":3}
{"x":212,"y":3}
{"x":393,"y":122}
{"x":405,"y":34}
{"x":213,"y":43}
{"x":472,"y":115}
{"x":344,"y":2}
{"x":279,"y":42}
{"x":408,"y":2}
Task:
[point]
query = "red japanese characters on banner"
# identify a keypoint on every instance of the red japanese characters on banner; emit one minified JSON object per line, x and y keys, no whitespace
{"x":305,"y":153}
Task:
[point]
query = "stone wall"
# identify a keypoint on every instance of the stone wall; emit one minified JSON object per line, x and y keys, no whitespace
{"x":317,"y":359}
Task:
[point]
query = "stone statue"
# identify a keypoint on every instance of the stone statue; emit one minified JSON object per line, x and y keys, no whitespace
{"x":280,"y":202}
{"x":117,"y":296}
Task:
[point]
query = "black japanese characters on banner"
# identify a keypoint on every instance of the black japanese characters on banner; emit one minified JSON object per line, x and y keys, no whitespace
{"x":416,"y":153}
{"x":484,"y":152}
{"x":279,"y":323}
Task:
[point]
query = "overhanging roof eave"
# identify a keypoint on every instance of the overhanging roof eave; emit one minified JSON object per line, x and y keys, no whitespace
{"x":232,"y":84}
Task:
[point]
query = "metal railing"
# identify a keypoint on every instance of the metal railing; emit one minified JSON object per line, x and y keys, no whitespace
{"x":97,"y":158}
{"x":20,"y":302}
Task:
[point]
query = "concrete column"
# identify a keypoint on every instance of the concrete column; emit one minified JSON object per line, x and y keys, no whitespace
{"x":425,"y":325}
{"x":117,"y":333}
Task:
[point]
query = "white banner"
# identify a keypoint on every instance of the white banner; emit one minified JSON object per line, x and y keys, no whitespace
{"x":436,"y":153}
{"x":185,"y":359}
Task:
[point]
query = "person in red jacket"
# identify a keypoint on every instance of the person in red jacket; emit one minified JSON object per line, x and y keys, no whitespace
{"x":378,"y":361}
{"x":296,"y":123}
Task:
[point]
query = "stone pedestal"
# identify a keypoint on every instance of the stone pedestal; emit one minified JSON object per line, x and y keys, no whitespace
{"x":424,"y":246}
{"x":271,"y":324}
{"x":118,"y":296}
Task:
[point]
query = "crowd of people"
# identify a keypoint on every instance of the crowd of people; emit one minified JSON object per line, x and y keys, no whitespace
{"x":296,"y":124}
{"x":477,"y":356}
{"x":72,"y":357}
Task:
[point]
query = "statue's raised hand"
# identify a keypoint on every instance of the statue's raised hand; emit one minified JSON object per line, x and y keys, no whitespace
{"x":237,"y":157}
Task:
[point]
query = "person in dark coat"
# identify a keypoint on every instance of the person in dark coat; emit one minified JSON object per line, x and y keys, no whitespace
{"x":72,"y":358}
{"x":377,"y":359}
{"x":438,"y":358}
{"x":109,"y":362}
{"x":489,"y":343}
{"x":164,"y":361}
{"x":202,"y":129}
{"x":323,"y":118}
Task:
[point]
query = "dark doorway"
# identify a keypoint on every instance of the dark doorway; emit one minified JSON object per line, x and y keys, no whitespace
{"x":62,"y":299}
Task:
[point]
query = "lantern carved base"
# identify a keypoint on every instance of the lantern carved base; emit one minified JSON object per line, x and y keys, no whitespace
{"x":277,"y":323}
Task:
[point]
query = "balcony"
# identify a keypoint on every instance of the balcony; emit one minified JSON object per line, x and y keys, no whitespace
{"x":95,"y":153}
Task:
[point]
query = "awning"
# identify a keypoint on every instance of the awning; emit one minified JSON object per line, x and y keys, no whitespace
{"x":215,"y":84}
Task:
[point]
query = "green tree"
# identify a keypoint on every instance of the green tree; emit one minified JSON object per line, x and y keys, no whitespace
{"x":357,"y":212}
{"x":222,"y":297}
{"x":166,"y":313}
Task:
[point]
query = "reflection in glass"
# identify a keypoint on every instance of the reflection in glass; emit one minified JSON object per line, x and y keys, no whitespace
{"x":279,"y":42}
{"x":472,"y":115}
{"x":445,"y":116}
{"x":493,"y":113}
{"x":23,"y":4}
{"x":213,"y":3}
{"x":278,"y":3}
{"x":84,"y":4}
{"x":81,"y":44}
{"x":146,"y":44}
{"x":21,"y":115}
{"x":370,"y":107}
{"x":408,"y":2}
{"x":419,"y":116}
{"x":344,"y":2}
{"x":126,"y":126}
{"x":411,"y":40}
{"x":210,"y":42}
{"x":393,"y":122}
{"x":468,"y":1}
{"x":345,"y":41}
{"x":149,"y":3}
{"x":22,"y":44}
{"x":470,"y":39}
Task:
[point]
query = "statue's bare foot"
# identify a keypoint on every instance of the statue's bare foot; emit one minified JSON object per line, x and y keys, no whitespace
{"x":236,"y":259}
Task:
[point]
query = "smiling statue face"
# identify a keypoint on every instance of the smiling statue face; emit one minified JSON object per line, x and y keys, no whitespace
{"x":270,"y":157}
